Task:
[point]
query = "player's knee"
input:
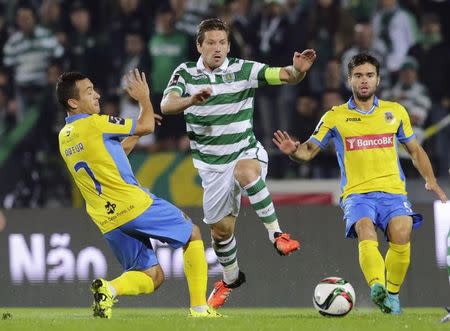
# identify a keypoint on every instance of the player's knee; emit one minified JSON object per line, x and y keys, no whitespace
{"x":399,"y":232}
{"x":156,"y":274}
{"x":245,"y":175}
{"x":221,"y":234}
{"x":196,"y":234}
{"x":365,"y":230}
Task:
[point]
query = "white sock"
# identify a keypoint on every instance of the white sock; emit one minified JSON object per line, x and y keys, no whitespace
{"x":272,"y":228}
{"x":200,"y":309}
{"x":112,"y":289}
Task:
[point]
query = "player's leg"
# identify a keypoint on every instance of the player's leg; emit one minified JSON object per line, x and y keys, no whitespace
{"x":397,"y":219}
{"x":397,"y":257}
{"x":359,"y":215}
{"x":196,"y":271}
{"x":165,"y":222}
{"x":446,"y":318}
{"x":221,"y":203}
{"x":371,"y":261}
{"x":225,"y":247}
{"x":142,"y":276}
{"x":251,"y":177}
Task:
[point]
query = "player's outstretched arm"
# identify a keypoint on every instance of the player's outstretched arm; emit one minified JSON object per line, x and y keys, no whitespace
{"x":138,"y":89}
{"x":294,"y":149}
{"x":174,"y":103}
{"x":301,"y":63}
{"x":422,"y":163}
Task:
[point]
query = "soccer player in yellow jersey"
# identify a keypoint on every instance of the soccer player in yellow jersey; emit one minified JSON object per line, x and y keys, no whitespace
{"x":366,"y":132}
{"x":127,"y":214}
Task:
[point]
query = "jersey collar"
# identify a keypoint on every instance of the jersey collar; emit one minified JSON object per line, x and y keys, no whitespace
{"x":73,"y":118}
{"x":222,"y":68}
{"x":351,"y":105}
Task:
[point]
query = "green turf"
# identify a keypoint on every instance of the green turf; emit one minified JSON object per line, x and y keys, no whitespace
{"x":135,"y":319}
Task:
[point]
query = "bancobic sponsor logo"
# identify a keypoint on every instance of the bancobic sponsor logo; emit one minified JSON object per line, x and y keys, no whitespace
{"x":369,"y":141}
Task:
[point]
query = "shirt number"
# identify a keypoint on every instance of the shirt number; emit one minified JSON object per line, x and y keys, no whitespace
{"x":84,"y":165}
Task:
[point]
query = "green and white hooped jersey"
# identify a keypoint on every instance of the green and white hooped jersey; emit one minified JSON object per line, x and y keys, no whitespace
{"x":221,"y":128}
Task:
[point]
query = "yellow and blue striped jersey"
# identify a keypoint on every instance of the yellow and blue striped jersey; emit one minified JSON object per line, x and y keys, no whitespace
{"x":366,"y":145}
{"x":90,"y":146}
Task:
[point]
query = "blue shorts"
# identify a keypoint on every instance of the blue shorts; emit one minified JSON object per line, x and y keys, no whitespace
{"x":380,"y":207}
{"x":163,"y":221}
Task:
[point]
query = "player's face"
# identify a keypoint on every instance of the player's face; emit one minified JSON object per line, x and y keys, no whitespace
{"x":88,"y":101}
{"x":214,"y":48}
{"x":364,"y":81}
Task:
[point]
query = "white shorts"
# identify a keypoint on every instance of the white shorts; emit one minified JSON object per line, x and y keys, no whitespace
{"x":222,"y":192}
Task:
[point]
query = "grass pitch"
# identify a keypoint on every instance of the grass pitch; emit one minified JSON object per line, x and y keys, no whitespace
{"x":284,"y":319}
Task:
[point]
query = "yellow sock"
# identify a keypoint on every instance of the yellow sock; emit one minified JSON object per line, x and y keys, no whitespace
{"x":371,"y":262}
{"x":397,"y":263}
{"x":133,"y":283}
{"x":196,"y":271}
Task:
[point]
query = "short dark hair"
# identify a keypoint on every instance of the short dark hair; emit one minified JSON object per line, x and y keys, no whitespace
{"x":66,"y":87}
{"x":211,"y":24}
{"x":362,"y":58}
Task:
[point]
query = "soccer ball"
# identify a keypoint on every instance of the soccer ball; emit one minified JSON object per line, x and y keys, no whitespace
{"x":334,"y":296}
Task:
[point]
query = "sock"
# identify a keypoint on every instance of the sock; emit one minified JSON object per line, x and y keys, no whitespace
{"x":371,"y":262}
{"x":133,"y":283}
{"x":397,"y":263}
{"x":261,"y":201}
{"x":226,"y":255}
{"x":196,"y":271}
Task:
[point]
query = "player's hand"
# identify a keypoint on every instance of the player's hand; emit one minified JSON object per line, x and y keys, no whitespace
{"x":434,"y":186}
{"x":136,"y":85}
{"x":158,"y":119}
{"x":201,"y":96}
{"x":304,"y":60}
{"x":285,"y":143}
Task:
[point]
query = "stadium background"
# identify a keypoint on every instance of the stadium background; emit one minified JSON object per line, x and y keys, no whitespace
{"x":105,"y":38}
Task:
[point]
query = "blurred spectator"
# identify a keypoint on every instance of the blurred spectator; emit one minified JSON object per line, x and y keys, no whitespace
{"x":270,"y":29}
{"x":331,"y":97}
{"x":364,"y":42}
{"x":167,"y":47}
{"x":111,"y":105}
{"x":27,"y":53}
{"x":361,"y":11}
{"x":332,"y":77}
{"x":135,"y":56}
{"x":271,"y":41}
{"x":189,"y":13}
{"x":305,"y":117}
{"x":85,"y":50}
{"x":51,"y":18}
{"x":3,"y":29}
{"x":302,"y":124}
{"x":397,"y":29}
{"x":50,"y":13}
{"x":433,"y":54}
{"x":132,"y":16}
{"x":7,"y":115}
{"x":330,"y":33}
{"x":237,"y":15}
{"x":411,"y":93}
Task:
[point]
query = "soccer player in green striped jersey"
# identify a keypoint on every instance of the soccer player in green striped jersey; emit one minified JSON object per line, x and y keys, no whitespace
{"x":216,"y":94}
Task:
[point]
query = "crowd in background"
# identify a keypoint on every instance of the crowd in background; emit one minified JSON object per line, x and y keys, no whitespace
{"x":39,"y":39}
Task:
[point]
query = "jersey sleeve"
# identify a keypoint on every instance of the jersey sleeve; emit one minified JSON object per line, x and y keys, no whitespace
{"x":261,"y":74}
{"x":405,"y":132}
{"x":177,"y":83}
{"x":323,"y":131}
{"x":114,"y":126}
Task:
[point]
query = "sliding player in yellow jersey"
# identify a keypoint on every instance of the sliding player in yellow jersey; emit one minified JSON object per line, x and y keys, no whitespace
{"x":366,"y":132}
{"x":127,"y":214}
